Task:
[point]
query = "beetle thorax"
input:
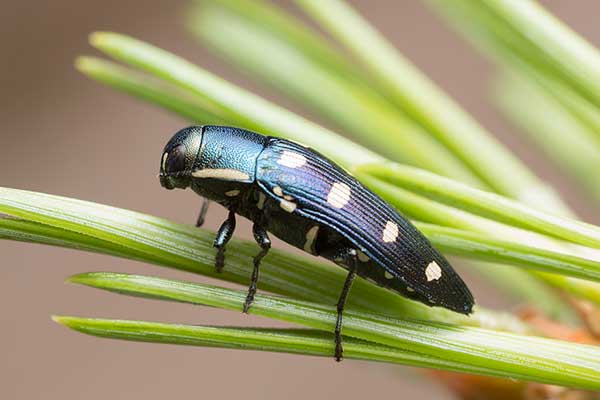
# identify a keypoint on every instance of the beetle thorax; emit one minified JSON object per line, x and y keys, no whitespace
{"x":226,"y":163}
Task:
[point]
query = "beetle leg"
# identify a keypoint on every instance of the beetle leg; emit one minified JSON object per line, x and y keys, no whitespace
{"x":351,"y":257}
{"x":223,"y":235}
{"x":203,"y":210}
{"x":262,"y":238}
{"x":347,"y":257}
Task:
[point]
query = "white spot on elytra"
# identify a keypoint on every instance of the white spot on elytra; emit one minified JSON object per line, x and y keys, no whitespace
{"x":232,"y":193}
{"x":339,"y":195}
{"x":288,"y":197}
{"x":362,"y":256}
{"x":287,"y":206}
{"x":409,"y":289}
{"x":222,"y":173}
{"x":387,"y":275}
{"x":311,"y":235}
{"x":261,"y":201}
{"x":277,"y":190}
{"x":291,"y":159}
{"x":433,"y":271}
{"x":390,"y":232}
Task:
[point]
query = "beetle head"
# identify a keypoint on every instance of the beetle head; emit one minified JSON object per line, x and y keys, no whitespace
{"x":178,"y":158}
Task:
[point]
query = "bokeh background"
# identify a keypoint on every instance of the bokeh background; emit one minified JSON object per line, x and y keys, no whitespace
{"x":63,"y":134}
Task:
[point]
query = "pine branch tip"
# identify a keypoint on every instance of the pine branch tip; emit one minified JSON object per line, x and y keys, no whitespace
{"x":63,"y":320}
{"x":102,"y":39}
{"x":84,"y":64}
{"x":96,"y":38}
{"x":87,"y":278}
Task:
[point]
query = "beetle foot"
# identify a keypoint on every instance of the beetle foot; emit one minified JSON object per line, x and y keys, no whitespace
{"x":248,"y":302}
{"x":220,"y":260}
{"x":339,"y":350}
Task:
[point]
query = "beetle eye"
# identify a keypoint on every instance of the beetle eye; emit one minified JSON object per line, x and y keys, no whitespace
{"x":176,"y":159}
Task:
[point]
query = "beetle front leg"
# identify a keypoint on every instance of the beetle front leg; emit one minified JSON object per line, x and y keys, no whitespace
{"x":223,"y":235}
{"x":203,"y":210}
{"x":262,"y":238}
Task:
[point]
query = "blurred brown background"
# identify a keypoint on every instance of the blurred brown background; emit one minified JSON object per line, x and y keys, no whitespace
{"x":61,"y":133}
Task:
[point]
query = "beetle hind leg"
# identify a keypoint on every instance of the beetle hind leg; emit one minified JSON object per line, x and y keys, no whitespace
{"x":262,"y":238}
{"x":347,"y":257}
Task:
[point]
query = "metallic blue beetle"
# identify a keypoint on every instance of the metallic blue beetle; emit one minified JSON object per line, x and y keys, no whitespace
{"x":309,"y":202}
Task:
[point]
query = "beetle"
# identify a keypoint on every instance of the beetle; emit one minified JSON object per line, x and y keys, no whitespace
{"x":311,"y":203}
